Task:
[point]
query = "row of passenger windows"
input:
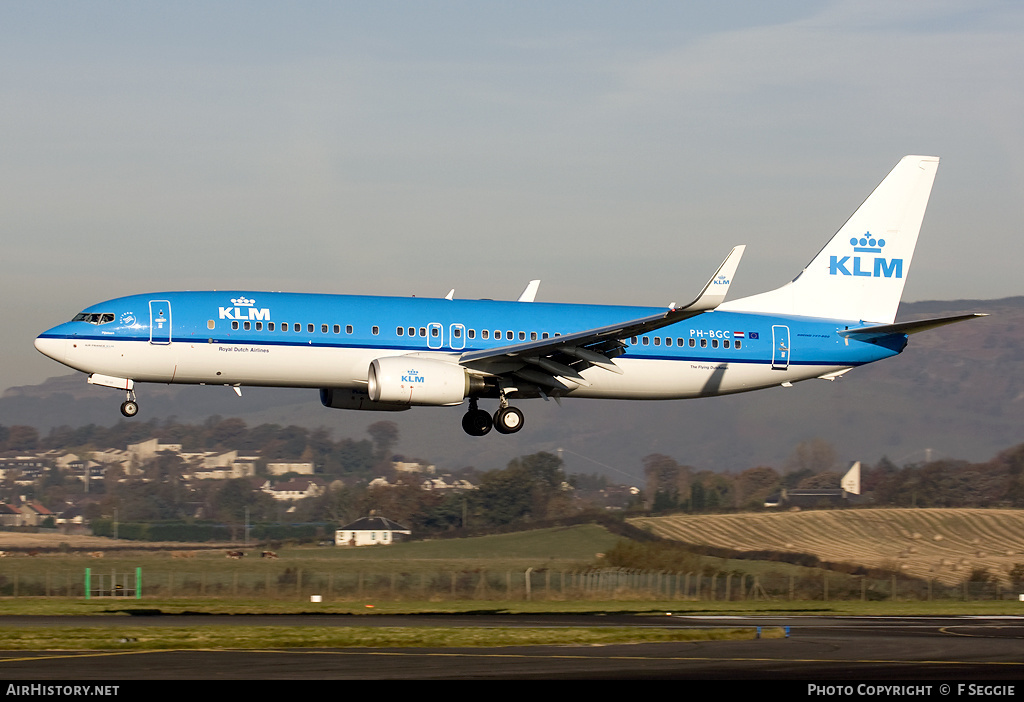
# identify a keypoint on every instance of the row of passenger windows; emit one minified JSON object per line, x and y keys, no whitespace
{"x":456,"y":333}
{"x":434,"y":331}
{"x":285,"y":326}
{"x":691,"y":342}
{"x":497,"y":334}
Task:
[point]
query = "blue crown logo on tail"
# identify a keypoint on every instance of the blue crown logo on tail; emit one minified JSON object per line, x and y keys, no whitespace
{"x":864,"y":267}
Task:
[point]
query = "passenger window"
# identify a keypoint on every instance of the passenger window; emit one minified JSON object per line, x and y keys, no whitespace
{"x":725,"y":344}
{"x":376,"y":330}
{"x":522,"y":336}
{"x":510,"y":335}
{"x":692,"y":343}
{"x":348,"y":328}
{"x":703,"y":343}
{"x":633,"y":341}
{"x":646,"y":340}
{"x":657,"y":341}
{"x":337,"y":328}
{"x":323,"y":328}
{"x":714,"y":343}
{"x":472,"y":333}
{"x":544,"y":335}
{"x":668,"y":341}
{"x":423,"y":331}
{"x":739,"y":344}
{"x":234,"y":325}
{"x":484,"y":334}
{"x":412,"y":331}
{"x":399,"y":330}
{"x":270,"y":326}
{"x":681,"y":342}
{"x":259,"y":326}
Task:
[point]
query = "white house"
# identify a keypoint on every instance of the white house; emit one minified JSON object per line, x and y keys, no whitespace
{"x":370,"y":531}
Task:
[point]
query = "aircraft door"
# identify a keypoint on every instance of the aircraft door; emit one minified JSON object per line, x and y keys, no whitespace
{"x":780,"y":347}
{"x":159,"y":322}
{"x":435,"y":335}
{"x":457,"y":336}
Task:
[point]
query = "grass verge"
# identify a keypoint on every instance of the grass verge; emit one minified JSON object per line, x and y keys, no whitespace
{"x":49,"y":606}
{"x":272,"y":637}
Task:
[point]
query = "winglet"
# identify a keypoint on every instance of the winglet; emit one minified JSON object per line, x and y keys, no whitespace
{"x":531,"y":291}
{"x":715,"y":291}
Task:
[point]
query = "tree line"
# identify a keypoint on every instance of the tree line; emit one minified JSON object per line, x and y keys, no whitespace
{"x":529,"y":488}
{"x":999,"y":482}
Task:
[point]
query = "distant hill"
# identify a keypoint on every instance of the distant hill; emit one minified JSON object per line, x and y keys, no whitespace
{"x":957,"y":391}
{"x":944,"y":544}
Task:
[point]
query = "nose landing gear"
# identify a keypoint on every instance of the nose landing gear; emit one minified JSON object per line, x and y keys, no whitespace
{"x":130,"y":408}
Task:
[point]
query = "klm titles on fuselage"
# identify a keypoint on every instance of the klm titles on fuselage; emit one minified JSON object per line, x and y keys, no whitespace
{"x":877,"y":268}
{"x":244,"y":309}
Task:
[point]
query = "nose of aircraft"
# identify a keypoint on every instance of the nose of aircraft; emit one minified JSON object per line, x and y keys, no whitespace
{"x":51,"y":346}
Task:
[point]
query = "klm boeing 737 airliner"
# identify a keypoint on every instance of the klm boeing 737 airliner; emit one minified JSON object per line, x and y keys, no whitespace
{"x":389,"y":353}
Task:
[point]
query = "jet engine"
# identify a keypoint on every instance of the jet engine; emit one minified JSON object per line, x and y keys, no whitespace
{"x":417,"y":381}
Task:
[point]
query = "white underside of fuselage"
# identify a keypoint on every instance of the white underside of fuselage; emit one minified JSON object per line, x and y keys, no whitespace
{"x":319,"y":367}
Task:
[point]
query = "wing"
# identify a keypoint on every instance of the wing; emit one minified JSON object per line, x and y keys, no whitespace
{"x":547,"y":362}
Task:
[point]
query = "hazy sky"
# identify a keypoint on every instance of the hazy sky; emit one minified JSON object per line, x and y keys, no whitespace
{"x":614,"y":150}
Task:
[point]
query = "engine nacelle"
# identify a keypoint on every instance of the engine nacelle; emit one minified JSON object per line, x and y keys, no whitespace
{"x":347,"y":398}
{"x":417,"y":381}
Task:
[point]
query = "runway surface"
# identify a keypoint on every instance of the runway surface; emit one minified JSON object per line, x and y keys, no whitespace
{"x":818,"y":648}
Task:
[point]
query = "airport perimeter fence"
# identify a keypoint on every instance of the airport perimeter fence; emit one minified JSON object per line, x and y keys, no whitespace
{"x":604,"y":584}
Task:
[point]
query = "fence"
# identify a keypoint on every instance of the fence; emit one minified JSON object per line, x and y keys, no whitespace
{"x":603,"y":584}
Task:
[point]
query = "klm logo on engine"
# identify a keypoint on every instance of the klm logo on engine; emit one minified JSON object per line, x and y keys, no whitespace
{"x":244,"y":308}
{"x":876,"y":267}
{"x":413,"y":376}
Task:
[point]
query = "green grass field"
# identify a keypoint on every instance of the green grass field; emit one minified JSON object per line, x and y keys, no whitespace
{"x":482,"y":573}
{"x":288,"y":581}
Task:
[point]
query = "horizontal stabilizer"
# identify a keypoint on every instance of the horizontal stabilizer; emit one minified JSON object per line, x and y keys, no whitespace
{"x":880,"y":330}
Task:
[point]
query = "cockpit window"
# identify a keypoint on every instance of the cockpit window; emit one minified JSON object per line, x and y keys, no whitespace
{"x":94,"y":317}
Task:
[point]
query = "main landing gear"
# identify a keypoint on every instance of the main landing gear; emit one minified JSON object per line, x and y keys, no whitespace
{"x":477,"y":422}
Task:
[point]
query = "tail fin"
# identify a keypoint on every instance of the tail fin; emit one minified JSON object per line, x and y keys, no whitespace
{"x":860,"y":273}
